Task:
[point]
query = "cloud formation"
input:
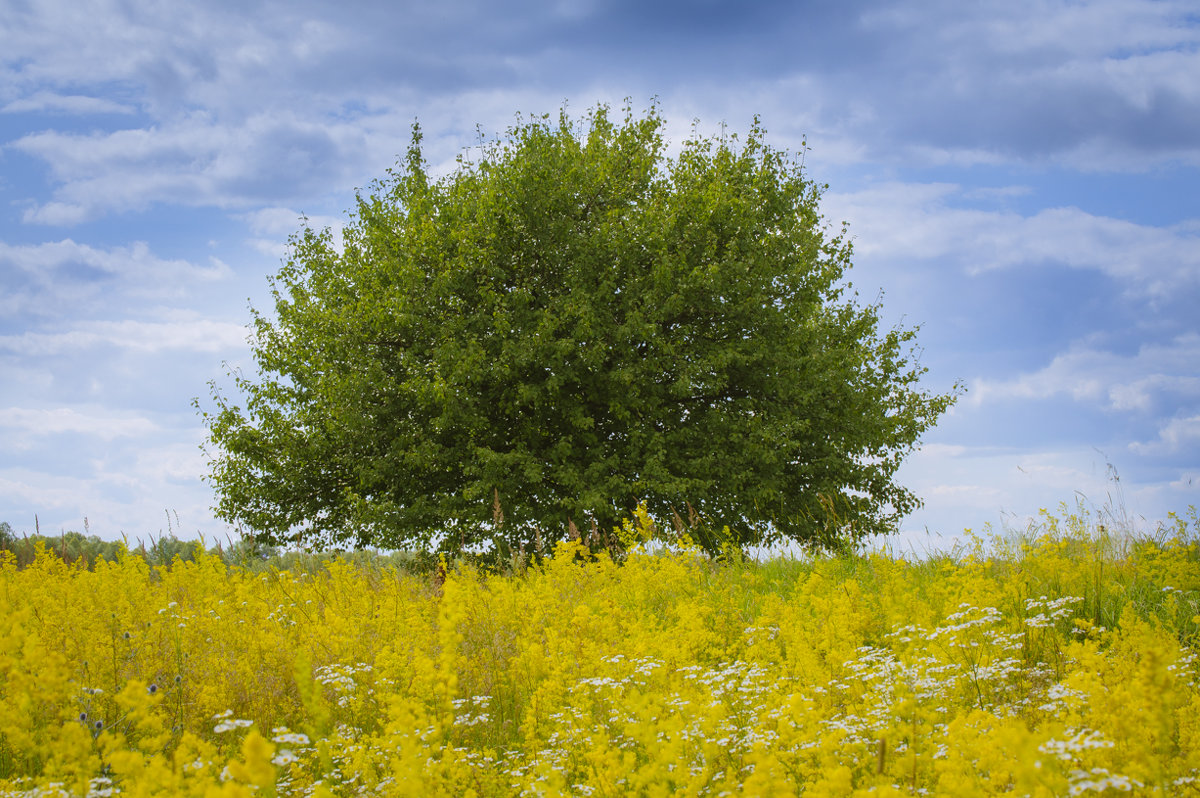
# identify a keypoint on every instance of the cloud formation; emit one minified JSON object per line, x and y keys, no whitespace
{"x":1176,"y":435}
{"x":196,"y":335}
{"x":39,"y":421}
{"x":1141,"y":381}
{"x":42,"y":279}
{"x":928,"y":221}
{"x":240,"y":106}
{"x":267,"y":158}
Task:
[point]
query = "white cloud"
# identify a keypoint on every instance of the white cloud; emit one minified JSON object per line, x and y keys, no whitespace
{"x":943,"y":450}
{"x":99,"y":423}
{"x":58,"y":214}
{"x":978,"y":486}
{"x":66,"y":103}
{"x":194,"y":161}
{"x":1031,"y":80}
{"x":248,"y":113}
{"x":135,"y":471}
{"x":42,"y":279}
{"x":996,"y":192}
{"x":1118,"y":382}
{"x":16,"y":488}
{"x":196,"y":335}
{"x":133,"y":261}
{"x":899,"y":221}
{"x":272,"y":247}
{"x":985,"y":498}
{"x":165,"y":49}
{"x":1178,"y":434}
{"x":1143,"y":78}
{"x":275,"y":225}
{"x":1033,"y":28}
{"x":1102,"y":86}
{"x":277,"y":221}
{"x":111,"y":501}
{"x":1188,"y":481}
{"x":176,"y":462}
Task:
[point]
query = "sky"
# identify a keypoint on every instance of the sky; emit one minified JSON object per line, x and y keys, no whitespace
{"x":1021,"y":179}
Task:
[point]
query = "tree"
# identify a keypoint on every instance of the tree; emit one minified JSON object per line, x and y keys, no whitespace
{"x":568,"y":325}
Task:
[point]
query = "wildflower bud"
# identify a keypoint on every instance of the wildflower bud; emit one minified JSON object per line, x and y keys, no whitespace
{"x":99,"y":725}
{"x":83,"y":717}
{"x":153,"y":689}
{"x":127,"y":635}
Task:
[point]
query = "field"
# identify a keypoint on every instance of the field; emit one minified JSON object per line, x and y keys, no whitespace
{"x":1057,"y":662}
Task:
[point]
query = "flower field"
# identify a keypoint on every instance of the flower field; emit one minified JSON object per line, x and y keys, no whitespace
{"x":1062,"y":662}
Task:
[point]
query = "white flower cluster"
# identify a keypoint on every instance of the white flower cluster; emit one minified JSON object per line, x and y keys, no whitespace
{"x":228,"y":723}
{"x":1100,"y":780}
{"x":1058,"y":695}
{"x":753,"y":633}
{"x":1083,"y":740}
{"x":286,"y":737}
{"x":966,"y":617}
{"x":463,"y":715}
{"x":1051,"y":610}
{"x":341,"y":678}
{"x":101,"y":787}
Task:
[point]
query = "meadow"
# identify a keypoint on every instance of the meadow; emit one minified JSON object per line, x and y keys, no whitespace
{"x":1060,"y":661}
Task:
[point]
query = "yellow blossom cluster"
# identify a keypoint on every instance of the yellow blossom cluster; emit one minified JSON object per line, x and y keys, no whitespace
{"x":1059,"y":664}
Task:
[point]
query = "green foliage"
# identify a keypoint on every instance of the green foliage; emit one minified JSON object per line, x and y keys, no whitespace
{"x":71,"y":547}
{"x":75,"y":548}
{"x":569,"y":325}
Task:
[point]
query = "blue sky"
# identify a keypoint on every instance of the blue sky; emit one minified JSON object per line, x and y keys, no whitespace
{"x":1020,"y":178}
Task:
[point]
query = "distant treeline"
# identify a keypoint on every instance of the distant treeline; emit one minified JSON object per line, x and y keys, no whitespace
{"x":86,"y":550}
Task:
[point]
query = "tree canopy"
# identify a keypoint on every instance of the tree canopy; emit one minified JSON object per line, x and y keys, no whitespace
{"x":571,"y":322}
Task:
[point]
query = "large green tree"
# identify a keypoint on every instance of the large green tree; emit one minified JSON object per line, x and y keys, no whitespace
{"x":569,"y":323}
